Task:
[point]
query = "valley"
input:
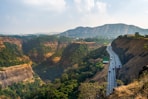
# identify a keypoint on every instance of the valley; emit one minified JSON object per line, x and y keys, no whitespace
{"x":73,"y":49}
{"x":61,"y":67}
{"x":57,"y":62}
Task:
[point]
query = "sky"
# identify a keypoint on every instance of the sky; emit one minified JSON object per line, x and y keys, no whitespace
{"x":35,"y":16}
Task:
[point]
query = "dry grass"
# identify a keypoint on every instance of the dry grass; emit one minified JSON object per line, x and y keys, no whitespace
{"x":4,"y":97}
{"x":139,"y":96}
{"x":127,"y":90}
{"x":100,"y":76}
{"x":48,"y":54}
{"x":85,"y":42}
{"x":56,"y":59}
{"x":136,"y":90}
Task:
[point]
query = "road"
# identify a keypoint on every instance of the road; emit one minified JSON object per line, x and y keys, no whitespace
{"x":113,"y":65}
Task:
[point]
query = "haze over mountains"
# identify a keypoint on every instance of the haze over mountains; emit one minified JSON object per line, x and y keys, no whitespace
{"x":57,"y":67}
{"x":110,"y":31}
{"x":104,"y":31}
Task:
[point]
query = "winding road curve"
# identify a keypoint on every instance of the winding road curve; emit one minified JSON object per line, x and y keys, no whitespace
{"x":114,"y":64}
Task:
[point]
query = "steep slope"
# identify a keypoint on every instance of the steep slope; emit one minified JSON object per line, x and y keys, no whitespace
{"x":11,"y":52}
{"x":14,"y":74}
{"x":135,"y":90}
{"x":105,"y":31}
{"x":42,"y":47}
{"x":70,"y":85}
{"x":36,"y":48}
{"x":69,"y":65}
{"x":14,"y":65}
{"x":133,"y":53}
{"x":73,"y":54}
{"x":11,"y":40}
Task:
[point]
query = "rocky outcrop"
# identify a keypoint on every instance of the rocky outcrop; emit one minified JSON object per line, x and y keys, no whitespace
{"x":133,"y":53}
{"x":14,"y":74}
{"x":55,"y":45}
{"x":11,"y":40}
{"x":39,"y":51}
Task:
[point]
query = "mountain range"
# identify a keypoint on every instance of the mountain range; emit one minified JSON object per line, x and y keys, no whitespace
{"x":110,"y":31}
{"x":104,"y":31}
{"x":58,"y":67}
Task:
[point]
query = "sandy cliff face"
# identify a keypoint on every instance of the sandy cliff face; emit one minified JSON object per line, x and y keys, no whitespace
{"x":133,"y":54}
{"x":55,"y":45}
{"x":39,"y":51}
{"x":15,"y":41}
{"x":15,"y":74}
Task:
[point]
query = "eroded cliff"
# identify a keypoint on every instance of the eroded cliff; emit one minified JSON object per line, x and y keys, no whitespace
{"x":133,"y":53}
{"x":14,"y":74}
{"x":41,"y":48}
{"x":11,"y":40}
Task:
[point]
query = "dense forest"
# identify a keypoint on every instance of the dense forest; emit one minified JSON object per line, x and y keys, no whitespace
{"x":70,"y":85}
{"x":64,"y":67}
{"x":76,"y":65}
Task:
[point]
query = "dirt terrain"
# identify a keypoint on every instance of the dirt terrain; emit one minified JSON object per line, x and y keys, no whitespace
{"x":133,"y":53}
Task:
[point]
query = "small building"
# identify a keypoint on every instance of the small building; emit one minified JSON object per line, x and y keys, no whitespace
{"x":105,"y":60}
{"x":130,"y":35}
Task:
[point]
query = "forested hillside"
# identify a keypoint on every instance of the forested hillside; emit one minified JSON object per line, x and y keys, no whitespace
{"x":69,"y":68}
{"x":11,"y":52}
{"x":42,"y":47}
{"x":71,"y":84}
{"x":61,"y":67}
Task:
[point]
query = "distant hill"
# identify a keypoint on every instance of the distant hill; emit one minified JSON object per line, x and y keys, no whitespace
{"x":105,"y":31}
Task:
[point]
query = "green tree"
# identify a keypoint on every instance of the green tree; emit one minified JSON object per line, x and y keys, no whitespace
{"x":137,"y":35}
{"x":64,"y":77}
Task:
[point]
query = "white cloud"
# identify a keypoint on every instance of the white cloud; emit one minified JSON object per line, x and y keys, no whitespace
{"x":102,"y":7}
{"x":146,"y":12}
{"x":85,"y":6}
{"x":52,"y":5}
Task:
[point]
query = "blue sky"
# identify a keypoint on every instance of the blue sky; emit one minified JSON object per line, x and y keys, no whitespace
{"x":33,"y":16}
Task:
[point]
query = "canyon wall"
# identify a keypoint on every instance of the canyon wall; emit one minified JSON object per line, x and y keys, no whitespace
{"x":14,"y":74}
{"x":133,"y":53}
{"x":11,"y":40}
